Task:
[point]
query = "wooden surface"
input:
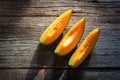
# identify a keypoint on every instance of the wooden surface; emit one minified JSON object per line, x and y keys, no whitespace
{"x":22,"y":57}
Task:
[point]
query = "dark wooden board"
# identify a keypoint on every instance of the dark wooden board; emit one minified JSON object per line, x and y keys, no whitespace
{"x":44,"y":8}
{"x":59,"y":74}
{"x":22,"y":57}
{"x":20,"y":42}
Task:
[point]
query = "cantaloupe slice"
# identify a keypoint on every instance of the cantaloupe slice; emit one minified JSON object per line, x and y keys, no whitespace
{"x":55,"y":29}
{"x":84,"y":49}
{"x":71,"y":38}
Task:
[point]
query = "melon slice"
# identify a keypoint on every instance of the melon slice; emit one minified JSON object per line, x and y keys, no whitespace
{"x":71,"y":38}
{"x":55,"y":29}
{"x":84,"y":49}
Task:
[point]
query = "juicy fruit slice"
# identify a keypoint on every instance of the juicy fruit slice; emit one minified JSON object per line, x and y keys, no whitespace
{"x":84,"y":49}
{"x":56,"y":28}
{"x":71,"y":38}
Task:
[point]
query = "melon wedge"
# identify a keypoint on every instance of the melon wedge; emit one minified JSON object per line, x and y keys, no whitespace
{"x":71,"y":38}
{"x":84,"y":49}
{"x":55,"y":29}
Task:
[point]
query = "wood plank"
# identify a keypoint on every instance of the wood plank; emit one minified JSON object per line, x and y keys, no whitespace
{"x":44,"y":8}
{"x":38,"y":22}
{"x":85,"y":11}
{"x":42,"y":3}
{"x":59,"y":74}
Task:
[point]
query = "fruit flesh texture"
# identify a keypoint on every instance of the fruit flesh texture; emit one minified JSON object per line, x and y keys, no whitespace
{"x":84,"y":49}
{"x":55,"y":29}
{"x":71,"y":38}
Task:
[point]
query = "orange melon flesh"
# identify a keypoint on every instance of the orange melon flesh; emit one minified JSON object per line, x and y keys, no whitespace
{"x":71,"y":38}
{"x":55,"y":28}
{"x":84,"y":49}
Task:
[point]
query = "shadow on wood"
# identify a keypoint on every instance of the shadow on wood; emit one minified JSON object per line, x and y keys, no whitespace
{"x":62,"y":61}
{"x":12,"y":74}
{"x":43,"y":58}
{"x":8,"y":7}
{"x":5,"y":32}
{"x":77,"y":74}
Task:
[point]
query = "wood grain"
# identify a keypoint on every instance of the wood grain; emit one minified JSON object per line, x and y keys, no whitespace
{"x":20,"y":35}
{"x":44,"y":8}
{"x":22,"y":49}
{"x":22,"y":57}
{"x":58,"y":74}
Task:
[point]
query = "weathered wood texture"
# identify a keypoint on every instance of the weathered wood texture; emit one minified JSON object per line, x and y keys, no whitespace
{"x":19,"y":35}
{"x":47,"y":8}
{"x":23,"y":21}
{"x":58,"y":74}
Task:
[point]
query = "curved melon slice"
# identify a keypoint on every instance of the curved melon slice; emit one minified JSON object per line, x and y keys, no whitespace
{"x":56,"y":28}
{"x":71,"y":38}
{"x":84,"y":49}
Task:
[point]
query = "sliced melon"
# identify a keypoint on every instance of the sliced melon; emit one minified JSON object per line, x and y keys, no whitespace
{"x":55,"y":29}
{"x":84,"y":49}
{"x":71,"y":38}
